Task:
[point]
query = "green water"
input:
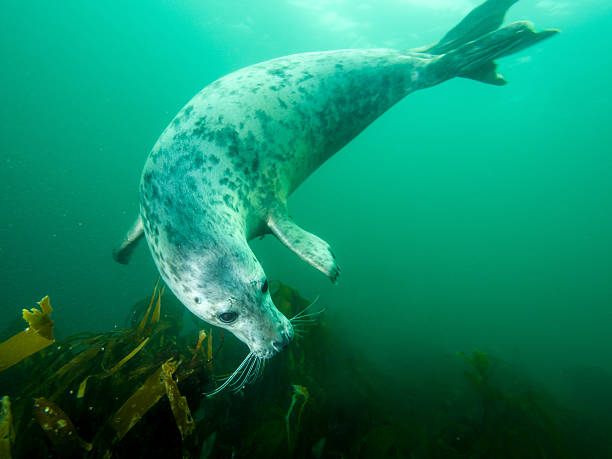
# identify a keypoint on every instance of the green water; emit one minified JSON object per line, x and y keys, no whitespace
{"x":466,"y":216}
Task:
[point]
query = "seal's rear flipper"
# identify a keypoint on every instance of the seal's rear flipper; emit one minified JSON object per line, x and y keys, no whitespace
{"x":123,"y":253}
{"x":483,"y":19}
{"x":469,"y":49}
{"x":475,"y":59}
{"x":306,"y":245}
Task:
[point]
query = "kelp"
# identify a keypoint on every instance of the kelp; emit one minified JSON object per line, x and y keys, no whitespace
{"x":201,"y":337}
{"x":107,"y":373}
{"x":127,"y":358}
{"x":36,"y":337}
{"x":299,"y":392}
{"x":144,"y":327}
{"x":509,"y":416}
{"x":7,"y":432}
{"x":58,"y":427}
{"x":178,"y":403}
{"x":209,"y":350}
{"x":157,"y":311}
{"x":157,"y":385}
{"x":132,"y":392}
{"x":145,"y":318}
{"x":74,"y":368}
{"x":104,"y":363}
{"x":141,"y":401}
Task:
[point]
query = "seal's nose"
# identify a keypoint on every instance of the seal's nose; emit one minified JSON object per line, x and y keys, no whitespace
{"x":283,"y":342}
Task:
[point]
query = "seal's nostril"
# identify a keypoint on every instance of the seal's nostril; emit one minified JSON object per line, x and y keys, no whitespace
{"x":284,"y":338}
{"x":282,"y":344}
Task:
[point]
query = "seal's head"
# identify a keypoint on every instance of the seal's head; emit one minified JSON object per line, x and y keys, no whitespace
{"x":228,"y":288}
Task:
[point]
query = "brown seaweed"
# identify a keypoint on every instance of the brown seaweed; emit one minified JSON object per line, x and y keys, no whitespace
{"x":7,"y":432}
{"x":158,"y":384}
{"x":145,"y":318}
{"x":299,"y":392}
{"x":139,"y":403}
{"x":315,"y":400}
{"x":58,"y":427}
{"x":36,"y":337}
{"x":178,"y":403}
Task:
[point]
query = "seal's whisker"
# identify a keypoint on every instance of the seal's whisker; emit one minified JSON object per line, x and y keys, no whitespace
{"x":245,"y":377}
{"x":252,"y":371}
{"x":300,"y":330}
{"x":262,"y":365}
{"x":304,"y":321}
{"x":303,"y":315}
{"x":257,"y":373}
{"x":236,"y":372}
{"x":251,"y":374}
{"x":310,"y":315}
{"x":299,"y":314}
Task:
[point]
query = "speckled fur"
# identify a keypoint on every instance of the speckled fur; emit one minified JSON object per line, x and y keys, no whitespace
{"x":221,"y":172}
{"x":236,"y":151}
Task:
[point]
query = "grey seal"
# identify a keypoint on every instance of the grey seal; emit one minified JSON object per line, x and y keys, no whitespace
{"x":221,"y":172}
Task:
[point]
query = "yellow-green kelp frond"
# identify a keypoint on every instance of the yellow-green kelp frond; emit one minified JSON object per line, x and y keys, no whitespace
{"x":36,"y":337}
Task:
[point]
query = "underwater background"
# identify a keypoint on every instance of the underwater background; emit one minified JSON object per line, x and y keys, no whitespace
{"x":466,"y":217}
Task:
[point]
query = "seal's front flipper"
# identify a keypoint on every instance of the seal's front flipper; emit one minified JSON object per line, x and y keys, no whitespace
{"x":123,"y":253}
{"x":306,"y":245}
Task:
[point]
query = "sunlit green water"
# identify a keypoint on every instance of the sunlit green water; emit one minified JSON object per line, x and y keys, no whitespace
{"x":467,"y":216}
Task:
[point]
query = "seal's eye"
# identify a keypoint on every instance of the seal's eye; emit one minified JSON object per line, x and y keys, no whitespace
{"x":264,"y":287}
{"x":197,"y":300}
{"x":228,"y":317}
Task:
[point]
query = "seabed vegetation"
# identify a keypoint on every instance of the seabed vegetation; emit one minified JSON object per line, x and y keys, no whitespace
{"x":142,"y":392}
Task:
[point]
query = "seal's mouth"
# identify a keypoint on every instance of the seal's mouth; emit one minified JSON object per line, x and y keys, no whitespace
{"x":253,"y":365}
{"x":269,"y":349}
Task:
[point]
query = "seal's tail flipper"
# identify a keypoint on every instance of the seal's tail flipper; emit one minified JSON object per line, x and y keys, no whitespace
{"x":469,"y":50}
{"x":475,"y":59}
{"x":123,"y":253}
{"x":483,"y":19}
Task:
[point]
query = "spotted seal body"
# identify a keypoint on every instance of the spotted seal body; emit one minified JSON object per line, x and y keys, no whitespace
{"x":221,"y":172}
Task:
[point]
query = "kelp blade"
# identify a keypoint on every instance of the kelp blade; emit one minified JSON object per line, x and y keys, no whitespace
{"x":20,"y":346}
{"x":7,"y":434}
{"x":36,"y":337}
{"x":178,"y":403}
{"x":141,"y":401}
{"x":58,"y":427}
